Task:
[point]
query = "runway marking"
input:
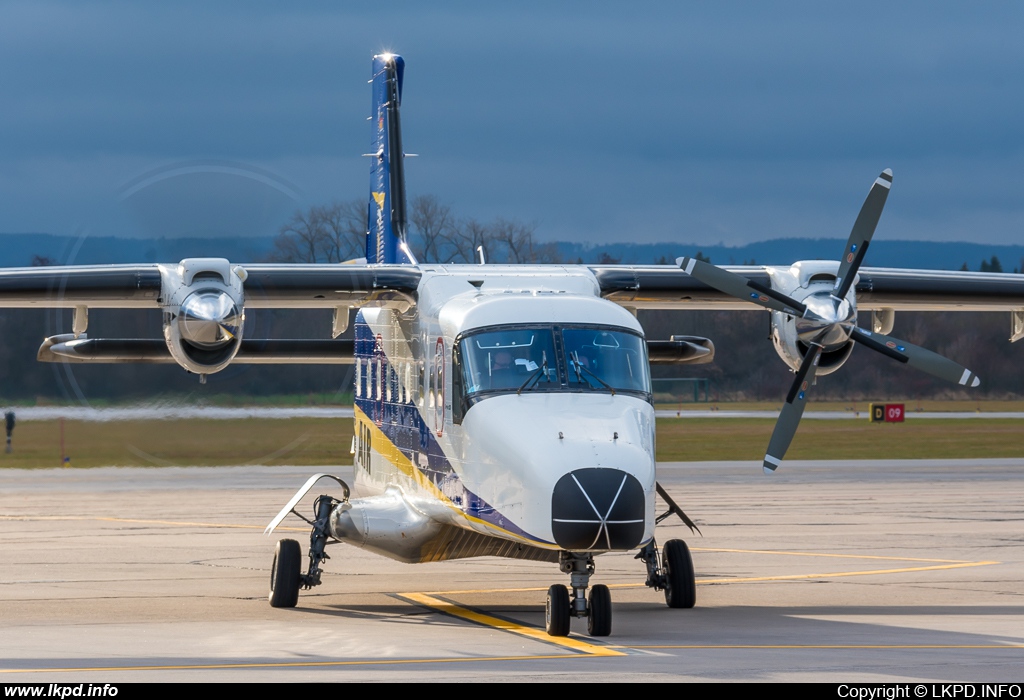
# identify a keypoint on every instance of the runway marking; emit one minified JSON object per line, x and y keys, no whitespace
{"x":431,"y":600}
{"x":826,"y":646}
{"x":289,"y":664}
{"x":143,"y":521}
{"x":839,"y":574}
{"x":955,"y":564}
{"x":448,"y":608}
{"x":825,"y":554}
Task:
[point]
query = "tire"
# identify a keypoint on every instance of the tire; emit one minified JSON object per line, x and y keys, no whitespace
{"x":599,"y":622}
{"x":680,"y":582}
{"x":556,"y":611}
{"x":285,"y":574}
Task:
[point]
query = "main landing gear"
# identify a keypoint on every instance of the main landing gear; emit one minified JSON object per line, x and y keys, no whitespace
{"x":286,"y":577}
{"x":674,"y":575}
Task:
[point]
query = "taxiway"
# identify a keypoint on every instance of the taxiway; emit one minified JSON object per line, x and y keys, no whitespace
{"x":841,"y":571}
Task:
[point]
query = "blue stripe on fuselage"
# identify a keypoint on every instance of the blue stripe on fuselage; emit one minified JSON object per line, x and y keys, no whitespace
{"x":402,"y":424}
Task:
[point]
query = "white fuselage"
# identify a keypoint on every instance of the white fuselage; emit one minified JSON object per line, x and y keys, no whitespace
{"x":437,"y":455}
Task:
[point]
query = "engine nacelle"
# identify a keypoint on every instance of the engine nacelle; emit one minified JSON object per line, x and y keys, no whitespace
{"x":811,"y":282}
{"x":203,"y":301}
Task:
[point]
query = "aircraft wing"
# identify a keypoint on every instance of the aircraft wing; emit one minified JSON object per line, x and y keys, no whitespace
{"x":152,"y":285}
{"x":877,"y":288}
{"x":203,"y":301}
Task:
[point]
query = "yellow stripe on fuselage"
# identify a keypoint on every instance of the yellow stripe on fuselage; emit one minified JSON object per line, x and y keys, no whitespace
{"x":382,"y":445}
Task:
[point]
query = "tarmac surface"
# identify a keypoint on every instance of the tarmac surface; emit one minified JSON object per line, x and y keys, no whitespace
{"x":845,"y":572}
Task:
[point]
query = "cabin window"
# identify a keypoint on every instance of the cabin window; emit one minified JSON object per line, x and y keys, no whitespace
{"x":438,"y":382}
{"x":359,"y":378}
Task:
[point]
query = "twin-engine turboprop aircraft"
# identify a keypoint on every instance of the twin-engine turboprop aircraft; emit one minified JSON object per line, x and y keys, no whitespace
{"x":502,"y":410}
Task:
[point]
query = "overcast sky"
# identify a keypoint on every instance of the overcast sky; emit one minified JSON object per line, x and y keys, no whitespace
{"x":693,"y":122}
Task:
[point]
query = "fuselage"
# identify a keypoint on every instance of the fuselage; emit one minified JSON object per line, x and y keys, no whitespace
{"x":509,"y":402}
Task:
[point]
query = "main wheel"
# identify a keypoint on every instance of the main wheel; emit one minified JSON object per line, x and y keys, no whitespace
{"x":285,"y":574}
{"x":680,"y":583}
{"x":599,"y":623}
{"x":556,"y":611}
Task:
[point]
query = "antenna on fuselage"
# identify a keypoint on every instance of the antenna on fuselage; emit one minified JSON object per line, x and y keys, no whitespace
{"x":480,"y":252}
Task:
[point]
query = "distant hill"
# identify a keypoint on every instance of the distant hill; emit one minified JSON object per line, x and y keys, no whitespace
{"x":782,"y":251}
{"x":18,"y":249}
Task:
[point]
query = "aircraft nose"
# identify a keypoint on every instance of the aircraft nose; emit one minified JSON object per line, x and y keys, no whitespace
{"x":597,"y":508}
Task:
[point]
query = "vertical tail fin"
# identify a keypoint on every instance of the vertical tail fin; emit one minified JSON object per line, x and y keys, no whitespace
{"x":386,"y":218}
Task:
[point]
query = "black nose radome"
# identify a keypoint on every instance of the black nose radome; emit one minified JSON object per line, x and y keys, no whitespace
{"x":597,"y":509}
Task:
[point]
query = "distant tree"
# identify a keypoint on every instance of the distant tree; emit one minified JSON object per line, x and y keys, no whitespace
{"x":328,"y":233}
{"x":963,"y":268}
{"x":605,"y":259}
{"x":461,"y":240}
{"x":432,"y":224}
{"x":42,"y":261}
{"x":518,"y":244}
{"x":701,"y":257}
{"x":344,"y":230}
{"x":992,"y":265}
{"x":662,"y":261}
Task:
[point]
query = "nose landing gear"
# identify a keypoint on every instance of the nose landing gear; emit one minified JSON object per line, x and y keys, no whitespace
{"x":561,"y":607}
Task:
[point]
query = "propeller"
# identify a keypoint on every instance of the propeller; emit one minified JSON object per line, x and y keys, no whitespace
{"x":827,"y":320}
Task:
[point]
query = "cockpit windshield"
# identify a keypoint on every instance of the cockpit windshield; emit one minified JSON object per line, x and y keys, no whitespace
{"x":600,"y":358}
{"x":566,"y":358}
{"x":506,"y":359}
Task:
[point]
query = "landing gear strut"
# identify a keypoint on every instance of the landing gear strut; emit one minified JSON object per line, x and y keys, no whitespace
{"x":286,"y":577}
{"x":673,"y":573}
{"x":562,"y":607}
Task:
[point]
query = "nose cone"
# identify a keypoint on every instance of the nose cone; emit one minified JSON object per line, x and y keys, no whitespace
{"x":597,"y":509}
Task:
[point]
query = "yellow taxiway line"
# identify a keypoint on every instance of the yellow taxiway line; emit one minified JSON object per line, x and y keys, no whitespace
{"x":447,"y":608}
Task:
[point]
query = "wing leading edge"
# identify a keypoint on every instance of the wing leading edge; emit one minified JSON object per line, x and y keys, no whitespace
{"x":669,"y":287}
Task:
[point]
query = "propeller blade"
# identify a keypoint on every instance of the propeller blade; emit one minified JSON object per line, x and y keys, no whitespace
{"x":792,"y":410}
{"x":740,"y":287}
{"x":860,"y":236}
{"x":917,"y":357}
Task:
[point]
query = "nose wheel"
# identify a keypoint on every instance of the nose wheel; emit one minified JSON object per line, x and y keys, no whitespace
{"x":562,"y":606}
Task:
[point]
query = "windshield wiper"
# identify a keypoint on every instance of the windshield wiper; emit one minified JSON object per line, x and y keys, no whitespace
{"x":543,"y":369}
{"x":578,"y":366}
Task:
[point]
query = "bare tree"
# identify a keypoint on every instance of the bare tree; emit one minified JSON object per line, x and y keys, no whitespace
{"x":344,"y":235}
{"x":462,"y":240}
{"x":432,"y":225}
{"x":329,"y":233}
{"x":517,"y":240}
